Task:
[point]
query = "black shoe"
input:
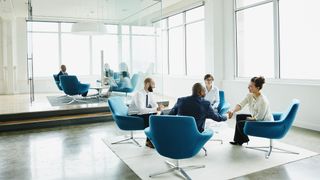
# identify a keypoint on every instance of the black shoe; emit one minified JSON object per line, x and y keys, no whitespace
{"x":149,"y":144}
{"x":238,"y":143}
{"x":235,"y":143}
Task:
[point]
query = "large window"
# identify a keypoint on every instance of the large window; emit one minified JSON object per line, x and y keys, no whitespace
{"x":45,"y":53}
{"x":299,"y":39}
{"x":278,"y":39}
{"x":183,"y":43}
{"x":76,"y":54}
{"x":255,"y":41}
{"x":195,"y":43}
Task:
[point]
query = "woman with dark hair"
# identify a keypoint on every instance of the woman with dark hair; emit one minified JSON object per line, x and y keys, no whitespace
{"x":258,"y":107}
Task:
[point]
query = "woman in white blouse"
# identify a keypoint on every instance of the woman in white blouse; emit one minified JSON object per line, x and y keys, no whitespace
{"x":258,"y":107}
{"x":212,"y":92}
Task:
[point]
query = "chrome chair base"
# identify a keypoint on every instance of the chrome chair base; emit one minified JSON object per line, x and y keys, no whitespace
{"x":73,"y":99}
{"x":270,"y":148}
{"x":129,"y":139}
{"x":177,"y":167}
{"x":220,"y":140}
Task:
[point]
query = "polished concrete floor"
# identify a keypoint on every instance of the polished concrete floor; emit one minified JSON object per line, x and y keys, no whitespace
{"x":77,"y":152}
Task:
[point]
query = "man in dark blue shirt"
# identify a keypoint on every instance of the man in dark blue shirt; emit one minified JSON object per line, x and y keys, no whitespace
{"x":196,"y":106}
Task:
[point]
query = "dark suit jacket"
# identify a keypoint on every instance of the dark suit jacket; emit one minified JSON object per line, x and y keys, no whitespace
{"x":197,"y":107}
{"x":60,"y":74}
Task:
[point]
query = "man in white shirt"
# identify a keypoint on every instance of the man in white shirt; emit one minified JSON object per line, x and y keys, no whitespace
{"x":212,"y":92}
{"x":143,"y":104}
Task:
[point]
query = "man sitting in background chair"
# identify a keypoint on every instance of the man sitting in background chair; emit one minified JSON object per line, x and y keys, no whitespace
{"x":63,"y":71}
{"x":143,"y":105}
{"x":196,"y":106}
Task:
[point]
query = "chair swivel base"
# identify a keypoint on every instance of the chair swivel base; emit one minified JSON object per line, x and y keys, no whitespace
{"x":270,"y":148}
{"x":74,"y":100}
{"x":220,"y":140}
{"x":129,"y":139}
{"x":177,"y":167}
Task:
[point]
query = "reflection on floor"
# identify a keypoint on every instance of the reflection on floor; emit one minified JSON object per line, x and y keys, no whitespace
{"x":19,"y":103}
{"x":77,"y":152}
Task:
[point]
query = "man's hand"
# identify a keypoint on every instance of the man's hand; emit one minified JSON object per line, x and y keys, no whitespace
{"x":230,"y":114}
{"x":160,"y":107}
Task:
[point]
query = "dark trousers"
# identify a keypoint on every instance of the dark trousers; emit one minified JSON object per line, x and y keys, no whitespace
{"x":239,"y":135}
{"x":145,"y":117}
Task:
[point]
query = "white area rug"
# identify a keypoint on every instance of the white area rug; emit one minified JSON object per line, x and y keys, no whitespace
{"x":224,"y":161}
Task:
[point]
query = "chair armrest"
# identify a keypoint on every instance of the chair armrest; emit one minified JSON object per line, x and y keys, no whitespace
{"x":277,"y":115}
{"x":224,"y":109}
{"x":207,"y":132}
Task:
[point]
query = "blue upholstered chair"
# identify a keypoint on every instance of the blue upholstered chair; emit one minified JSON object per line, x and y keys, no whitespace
{"x":57,"y":81}
{"x":72,"y":87}
{"x":223,"y":106}
{"x":128,"y":87}
{"x":119,"y":112}
{"x":273,"y":130}
{"x":176,"y":137}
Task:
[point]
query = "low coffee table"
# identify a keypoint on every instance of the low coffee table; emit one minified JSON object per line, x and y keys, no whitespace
{"x":99,"y":89}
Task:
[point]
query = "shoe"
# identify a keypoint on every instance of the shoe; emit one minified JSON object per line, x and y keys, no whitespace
{"x":149,"y":144}
{"x":238,"y":143}
{"x":235,"y":143}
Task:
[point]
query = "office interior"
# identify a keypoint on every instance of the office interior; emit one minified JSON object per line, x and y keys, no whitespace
{"x":174,"y":42}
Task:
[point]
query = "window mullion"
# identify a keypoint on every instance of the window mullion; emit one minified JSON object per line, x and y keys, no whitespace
{"x":276,"y":39}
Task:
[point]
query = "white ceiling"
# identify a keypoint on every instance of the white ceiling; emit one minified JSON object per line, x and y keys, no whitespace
{"x":113,"y":11}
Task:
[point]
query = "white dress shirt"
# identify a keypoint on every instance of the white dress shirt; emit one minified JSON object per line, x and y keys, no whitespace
{"x":213,"y":96}
{"x":138,"y":104}
{"x":258,"y":107}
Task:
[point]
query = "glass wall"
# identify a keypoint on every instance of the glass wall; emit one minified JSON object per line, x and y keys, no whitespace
{"x":54,"y":44}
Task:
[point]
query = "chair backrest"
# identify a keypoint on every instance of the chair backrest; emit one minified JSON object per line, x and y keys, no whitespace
{"x":117,"y":106}
{"x":175,"y":136}
{"x":134,"y":82}
{"x":70,"y":84}
{"x":57,"y":81}
{"x":223,"y":106}
{"x":289,"y":116}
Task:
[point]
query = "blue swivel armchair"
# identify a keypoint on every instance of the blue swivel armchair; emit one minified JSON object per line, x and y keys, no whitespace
{"x":176,"y":137}
{"x":57,"y":81}
{"x":119,"y":112}
{"x":128,"y":87}
{"x":72,"y":87}
{"x":273,"y":130}
{"x":223,"y":106}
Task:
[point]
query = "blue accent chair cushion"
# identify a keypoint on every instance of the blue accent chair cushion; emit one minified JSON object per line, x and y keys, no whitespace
{"x":276,"y":129}
{"x":71,"y":85}
{"x":57,"y":81}
{"x":176,"y":137}
{"x":119,"y":112}
{"x":223,"y":106}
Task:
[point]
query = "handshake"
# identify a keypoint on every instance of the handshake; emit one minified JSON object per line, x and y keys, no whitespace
{"x":229,"y":114}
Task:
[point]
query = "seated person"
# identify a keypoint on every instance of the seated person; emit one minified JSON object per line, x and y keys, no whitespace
{"x":258,"y":106}
{"x":63,"y":71}
{"x":143,"y":105}
{"x":196,"y":106}
{"x":212,"y":92}
{"x":124,"y":70}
